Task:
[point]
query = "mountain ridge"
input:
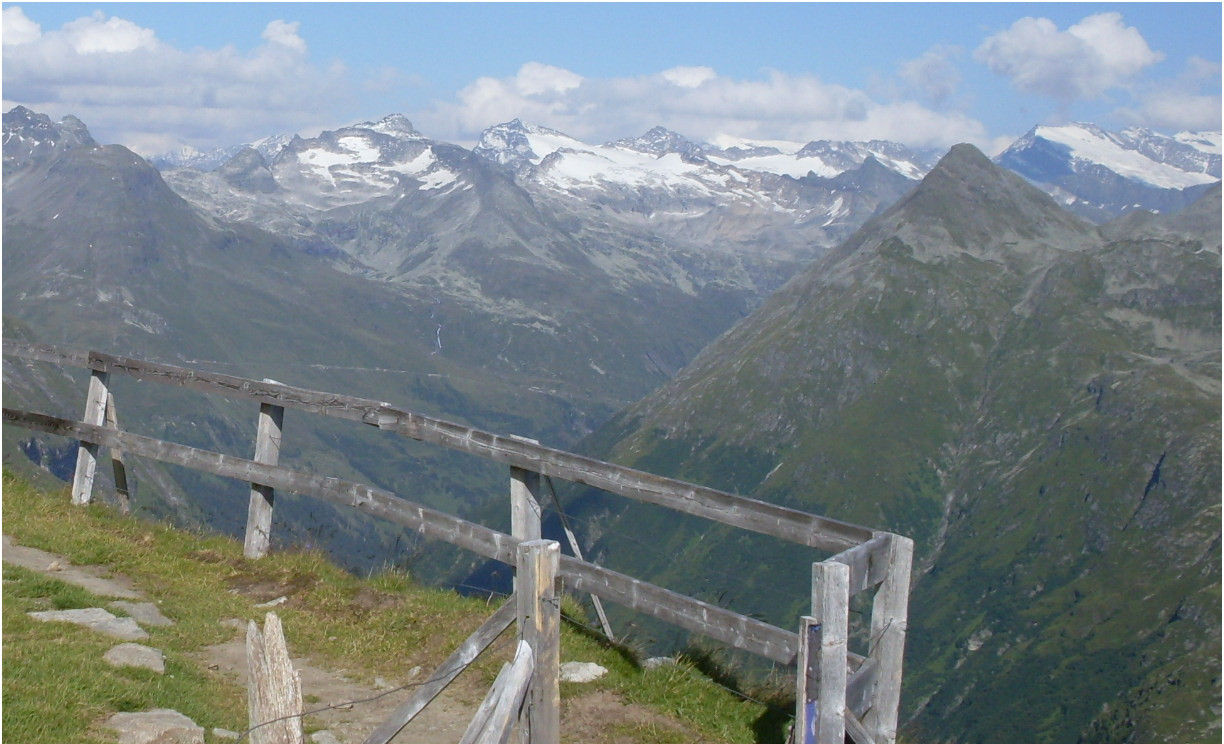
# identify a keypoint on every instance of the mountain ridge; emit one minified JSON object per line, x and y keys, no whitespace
{"x":1042,"y":418}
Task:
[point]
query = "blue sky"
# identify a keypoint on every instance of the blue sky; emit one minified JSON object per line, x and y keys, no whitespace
{"x":154,"y":76}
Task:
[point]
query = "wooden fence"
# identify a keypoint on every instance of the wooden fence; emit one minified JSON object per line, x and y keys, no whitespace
{"x":838,"y":692}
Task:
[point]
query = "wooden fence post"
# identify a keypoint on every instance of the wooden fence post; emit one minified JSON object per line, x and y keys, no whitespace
{"x":831,"y":608}
{"x":539,"y":617}
{"x":889,"y":620}
{"x":274,"y":689}
{"x":525,"y":501}
{"x":87,"y":454}
{"x":267,"y":451}
{"x":807,"y":681}
{"x":495,"y":718}
{"x":118,"y":468}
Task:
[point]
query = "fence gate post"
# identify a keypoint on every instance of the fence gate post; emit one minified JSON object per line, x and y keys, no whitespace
{"x":830,"y":608}
{"x":267,"y":451}
{"x":87,"y":454}
{"x":539,"y":617}
{"x":889,"y":620}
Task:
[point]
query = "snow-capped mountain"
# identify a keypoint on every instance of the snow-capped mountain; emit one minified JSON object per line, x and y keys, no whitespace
{"x":823,"y":158}
{"x":746,"y":198}
{"x":189,"y":157}
{"x":1101,"y":175}
{"x":285,"y":185}
{"x":736,"y":214}
{"x":518,"y":144}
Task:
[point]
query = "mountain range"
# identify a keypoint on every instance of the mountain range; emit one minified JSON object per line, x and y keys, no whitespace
{"x":1100,"y":175}
{"x":1027,"y":384}
{"x":1033,"y":398}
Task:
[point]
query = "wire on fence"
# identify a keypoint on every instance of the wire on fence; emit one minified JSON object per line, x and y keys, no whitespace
{"x":439,"y":674}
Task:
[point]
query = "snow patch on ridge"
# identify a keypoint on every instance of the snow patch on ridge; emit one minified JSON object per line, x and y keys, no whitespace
{"x":1095,"y":146}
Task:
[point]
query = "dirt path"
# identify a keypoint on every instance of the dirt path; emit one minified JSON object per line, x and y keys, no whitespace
{"x":585,"y":718}
{"x":445,"y":719}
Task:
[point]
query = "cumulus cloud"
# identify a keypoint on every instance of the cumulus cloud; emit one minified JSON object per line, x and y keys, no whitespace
{"x":695,"y":101}
{"x":1189,"y":102}
{"x":689,"y":77}
{"x":285,"y":34}
{"x":130,"y":87}
{"x":1082,"y":63}
{"x":18,"y":29}
{"x":98,"y":34}
{"x":933,"y":75}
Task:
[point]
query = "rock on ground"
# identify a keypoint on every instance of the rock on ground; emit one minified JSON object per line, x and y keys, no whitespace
{"x":96,"y":619}
{"x":145,"y":613}
{"x":581,"y":671}
{"x":160,"y":726}
{"x":136,"y":655}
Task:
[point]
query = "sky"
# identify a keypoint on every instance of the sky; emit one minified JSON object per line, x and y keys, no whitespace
{"x":159,"y":76}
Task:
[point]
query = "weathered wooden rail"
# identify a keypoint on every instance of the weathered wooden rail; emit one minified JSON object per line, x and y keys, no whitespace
{"x":838,"y":692}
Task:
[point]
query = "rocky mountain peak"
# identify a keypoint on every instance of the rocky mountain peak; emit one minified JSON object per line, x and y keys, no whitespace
{"x":395,"y":125}
{"x":518,"y":144}
{"x":31,"y":138}
{"x":248,"y":171}
{"x":967,"y":205}
{"x":659,"y":141}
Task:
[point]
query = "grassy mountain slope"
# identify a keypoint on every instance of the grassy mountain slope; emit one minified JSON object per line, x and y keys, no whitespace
{"x":1035,"y":402}
{"x":57,"y":687}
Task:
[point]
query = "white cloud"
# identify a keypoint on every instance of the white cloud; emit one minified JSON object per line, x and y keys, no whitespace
{"x":535,"y":79}
{"x":689,"y":77}
{"x":694,"y":101}
{"x":285,"y":34}
{"x":1094,"y":56}
{"x":1190,"y":102}
{"x":130,"y":87}
{"x":1175,"y":110}
{"x":933,"y":74}
{"x":18,"y":29}
{"x":99,"y":34}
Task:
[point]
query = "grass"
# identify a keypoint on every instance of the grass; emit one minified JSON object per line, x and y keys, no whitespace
{"x":57,"y":687}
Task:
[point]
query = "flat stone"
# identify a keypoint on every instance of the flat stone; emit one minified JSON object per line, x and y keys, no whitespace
{"x":324,"y":737}
{"x":581,"y":671}
{"x":136,"y":655}
{"x":96,"y":619}
{"x":220,"y":733}
{"x":89,"y":578}
{"x":655,"y":662}
{"x":160,"y":726}
{"x":145,"y":613}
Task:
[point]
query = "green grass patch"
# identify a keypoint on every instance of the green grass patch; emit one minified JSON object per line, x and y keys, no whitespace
{"x":58,"y":688}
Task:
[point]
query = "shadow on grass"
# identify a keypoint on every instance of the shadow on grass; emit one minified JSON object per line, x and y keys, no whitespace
{"x":774,"y":724}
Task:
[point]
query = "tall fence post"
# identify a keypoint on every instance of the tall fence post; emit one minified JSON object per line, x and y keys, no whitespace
{"x":118,"y":467}
{"x":267,"y":451}
{"x":539,"y":617}
{"x":525,"y":501}
{"x":807,"y":681}
{"x":889,"y":621}
{"x":831,"y":608}
{"x":87,"y":454}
